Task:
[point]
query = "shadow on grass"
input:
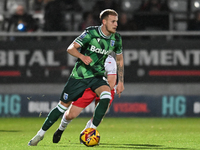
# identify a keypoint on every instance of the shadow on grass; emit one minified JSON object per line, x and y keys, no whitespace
{"x":128,"y":146}
{"x":10,"y":130}
{"x":125,"y":146}
{"x":139,"y":146}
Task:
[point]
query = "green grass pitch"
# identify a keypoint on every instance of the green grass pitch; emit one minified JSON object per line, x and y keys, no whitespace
{"x":116,"y":134}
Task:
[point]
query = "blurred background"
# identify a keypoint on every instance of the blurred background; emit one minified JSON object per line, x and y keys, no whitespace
{"x":74,"y":15}
{"x":160,"y":46}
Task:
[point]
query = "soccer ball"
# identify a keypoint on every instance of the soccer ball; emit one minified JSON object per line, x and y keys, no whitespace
{"x":90,"y":137}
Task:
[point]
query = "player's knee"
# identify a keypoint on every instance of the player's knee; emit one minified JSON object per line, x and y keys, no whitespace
{"x":65,"y":104}
{"x":61,"y":107}
{"x":105,"y":95}
{"x":70,"y":116}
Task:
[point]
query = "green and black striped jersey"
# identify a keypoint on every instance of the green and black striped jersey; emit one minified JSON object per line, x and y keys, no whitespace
{"x":98,"y":46}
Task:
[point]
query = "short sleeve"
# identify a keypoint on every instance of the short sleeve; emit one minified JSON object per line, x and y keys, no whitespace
{"x":110,"y":66}
{"x":83,"y":39}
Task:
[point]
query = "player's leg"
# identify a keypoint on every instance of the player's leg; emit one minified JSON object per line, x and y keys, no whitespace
{"x":69,"y":93}
{"x":55,"y":114}
{"x":75,"y":109}
{"x":97,"y":99}
{"x":88,"y":124}
{"x":101,"y":108}
{"x":69,"y":115}
{"x":50,"y":120}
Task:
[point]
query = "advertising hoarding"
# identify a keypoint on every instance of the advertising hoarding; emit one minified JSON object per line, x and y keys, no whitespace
{"x":24,"y":105}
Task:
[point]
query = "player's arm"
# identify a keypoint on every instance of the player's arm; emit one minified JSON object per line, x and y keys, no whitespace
{"x":120,"y":71}
{"x":73,"y":50}
{"x":112,"y":80}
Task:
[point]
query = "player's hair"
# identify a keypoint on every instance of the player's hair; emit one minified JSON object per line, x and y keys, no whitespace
{"x":105,"y":13}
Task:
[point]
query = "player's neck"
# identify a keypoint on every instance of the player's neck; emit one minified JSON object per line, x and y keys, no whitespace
{"x":105,"y":31}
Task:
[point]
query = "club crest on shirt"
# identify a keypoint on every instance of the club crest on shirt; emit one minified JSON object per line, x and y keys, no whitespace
{"x":65,"y":96}
{"x":112,"y":42}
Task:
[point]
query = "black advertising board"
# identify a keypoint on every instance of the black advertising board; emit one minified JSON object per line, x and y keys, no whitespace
{"x":34,"y":62}
{"x":162,"y":61}
{"x":145,"y":61}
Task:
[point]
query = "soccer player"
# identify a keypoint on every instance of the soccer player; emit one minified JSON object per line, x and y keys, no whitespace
{"x":91,"y":48}
{"x":88,"y":96}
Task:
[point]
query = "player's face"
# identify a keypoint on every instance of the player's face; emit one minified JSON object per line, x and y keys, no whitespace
{"x":111,"y":24}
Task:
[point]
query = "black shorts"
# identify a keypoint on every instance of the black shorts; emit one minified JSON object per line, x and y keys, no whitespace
{"x":74,"y":88}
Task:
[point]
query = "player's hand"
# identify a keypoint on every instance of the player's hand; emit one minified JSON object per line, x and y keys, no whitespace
{"x":120,"y":88}
{"x":86,"y":59}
